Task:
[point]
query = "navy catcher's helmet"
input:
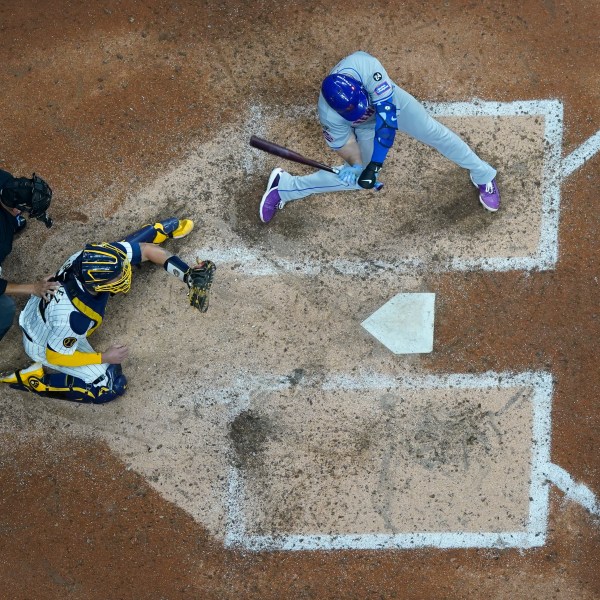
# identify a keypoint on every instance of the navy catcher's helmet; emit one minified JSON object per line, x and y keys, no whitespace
{"x":104,"y":268}
{"x":32,"y":196}
{"x":346,"y":96}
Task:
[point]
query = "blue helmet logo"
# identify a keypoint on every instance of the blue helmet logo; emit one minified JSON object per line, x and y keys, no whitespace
{"x":346,"y":96}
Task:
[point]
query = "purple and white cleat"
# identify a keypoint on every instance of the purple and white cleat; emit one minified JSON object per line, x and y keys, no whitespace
{"x":271,"y":200}
{"x":489,"y":195}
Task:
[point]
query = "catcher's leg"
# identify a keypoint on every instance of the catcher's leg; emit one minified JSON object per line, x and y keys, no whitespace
{"x":159,"y":232}
{"x":22,"y":376}
{"x":67,"y":387}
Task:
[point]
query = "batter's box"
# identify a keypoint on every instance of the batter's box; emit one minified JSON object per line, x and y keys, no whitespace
{"x":450,"y":461}
{"x":428,"y":215}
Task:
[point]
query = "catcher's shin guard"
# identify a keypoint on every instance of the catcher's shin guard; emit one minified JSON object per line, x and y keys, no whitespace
{"x":22,"y":377}
{"x":159,"y":232}
{"x":67,"y":387}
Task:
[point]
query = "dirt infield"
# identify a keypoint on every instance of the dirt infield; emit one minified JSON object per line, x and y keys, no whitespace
{"x":256,"y":436}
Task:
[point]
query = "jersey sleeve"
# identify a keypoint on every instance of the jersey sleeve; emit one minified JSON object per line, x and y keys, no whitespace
{"x":370,"y":72}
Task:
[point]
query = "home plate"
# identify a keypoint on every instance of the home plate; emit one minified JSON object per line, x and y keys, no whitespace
{"x":404,"y":325}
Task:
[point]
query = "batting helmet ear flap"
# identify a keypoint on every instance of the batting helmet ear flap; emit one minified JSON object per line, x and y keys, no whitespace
{"x":345,"y":95}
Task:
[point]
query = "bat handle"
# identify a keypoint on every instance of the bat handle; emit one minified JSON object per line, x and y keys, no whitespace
{"x":378,"y":185}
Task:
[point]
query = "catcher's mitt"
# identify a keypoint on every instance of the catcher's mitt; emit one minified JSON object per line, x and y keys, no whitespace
{"x":199,"y":279}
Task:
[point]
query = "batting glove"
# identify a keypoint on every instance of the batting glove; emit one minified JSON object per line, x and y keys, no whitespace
{"x":349,"y":174}
{"x":368,"y":178}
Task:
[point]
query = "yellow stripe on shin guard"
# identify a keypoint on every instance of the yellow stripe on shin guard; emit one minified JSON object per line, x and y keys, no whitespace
{"x":67,"y":392}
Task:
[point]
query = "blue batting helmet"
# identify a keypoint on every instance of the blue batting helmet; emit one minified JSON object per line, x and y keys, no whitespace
{"x":345,"y":95}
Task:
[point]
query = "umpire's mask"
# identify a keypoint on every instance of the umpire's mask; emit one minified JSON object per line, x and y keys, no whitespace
{"x":32,"y":196}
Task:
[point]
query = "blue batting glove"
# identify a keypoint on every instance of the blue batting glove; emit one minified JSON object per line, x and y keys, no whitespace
{"x":349,"y":175}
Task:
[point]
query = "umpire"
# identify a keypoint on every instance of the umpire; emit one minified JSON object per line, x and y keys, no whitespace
{"x":18,"y":195}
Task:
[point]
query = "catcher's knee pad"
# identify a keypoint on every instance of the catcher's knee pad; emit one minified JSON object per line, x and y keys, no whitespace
{"x":116,"y":385}
{"x":159,"y":232}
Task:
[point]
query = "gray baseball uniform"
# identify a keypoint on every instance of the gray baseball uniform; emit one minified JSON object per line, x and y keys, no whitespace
{"x":412,"y":120}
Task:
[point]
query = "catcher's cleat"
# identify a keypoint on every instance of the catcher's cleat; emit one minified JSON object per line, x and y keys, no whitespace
{"x":161,"y":231}
{"x":184,"y":228}
{"x":22,"y":377}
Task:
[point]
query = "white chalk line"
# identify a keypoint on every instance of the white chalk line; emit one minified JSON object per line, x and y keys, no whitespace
{"x":554,"y":170}
{"x":578,"y":492}
{"x":580,"y":156}
{"x":255,"y":266}
{"x":545,"y":256}
{"x":387,"y":542}
{"x":536,"y":529}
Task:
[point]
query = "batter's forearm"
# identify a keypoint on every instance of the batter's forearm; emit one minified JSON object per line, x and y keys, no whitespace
{"x":350,"y":152}
{"x":386,"y":124}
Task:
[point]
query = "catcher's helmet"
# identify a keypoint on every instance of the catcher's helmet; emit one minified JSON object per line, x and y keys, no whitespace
{"x":104,"y":268}
{"x":28,"y":195}
{"x":346,"y":96}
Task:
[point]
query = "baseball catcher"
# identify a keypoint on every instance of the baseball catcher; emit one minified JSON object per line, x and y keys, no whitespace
{"x":56,"y":330}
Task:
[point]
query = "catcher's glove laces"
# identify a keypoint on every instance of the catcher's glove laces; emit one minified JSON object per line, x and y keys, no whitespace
{"x":199,"y":279}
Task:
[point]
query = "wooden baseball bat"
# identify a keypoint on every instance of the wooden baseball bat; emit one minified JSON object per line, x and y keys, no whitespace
{"x":288,"y":154}
{"x":283,"y":152}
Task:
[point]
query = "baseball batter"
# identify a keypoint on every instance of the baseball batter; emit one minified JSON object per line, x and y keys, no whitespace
{"x":56,"y":329}
{"x":360,"y":109}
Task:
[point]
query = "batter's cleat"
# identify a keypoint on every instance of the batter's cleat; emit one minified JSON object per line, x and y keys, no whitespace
{"x":489,"y":195}
{"x":22,"y":377}
{"x":271,"y":200}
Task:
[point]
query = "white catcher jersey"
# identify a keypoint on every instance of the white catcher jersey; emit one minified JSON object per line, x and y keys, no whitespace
{"x":63,"y":323}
